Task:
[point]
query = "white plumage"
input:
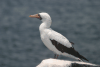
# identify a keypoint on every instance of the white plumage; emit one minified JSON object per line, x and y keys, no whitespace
{"x":53,"y":40}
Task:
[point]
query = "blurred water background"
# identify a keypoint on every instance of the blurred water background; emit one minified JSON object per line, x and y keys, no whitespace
{"x":20,"y":43}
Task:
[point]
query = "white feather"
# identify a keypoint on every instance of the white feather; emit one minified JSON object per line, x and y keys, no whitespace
{"x":53,"y":35}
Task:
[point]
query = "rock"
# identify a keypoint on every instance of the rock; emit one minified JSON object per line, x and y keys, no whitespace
{"x":64,"y":63}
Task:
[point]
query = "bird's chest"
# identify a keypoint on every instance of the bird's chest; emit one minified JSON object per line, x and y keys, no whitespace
{"x":43,"y":36}
{"x":45,"y":39}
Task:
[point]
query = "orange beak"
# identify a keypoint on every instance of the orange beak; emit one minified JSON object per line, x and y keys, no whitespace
{"x":34,"y":16}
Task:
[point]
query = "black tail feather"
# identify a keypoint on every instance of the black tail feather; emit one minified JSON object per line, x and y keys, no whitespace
{"x":81,"y":57}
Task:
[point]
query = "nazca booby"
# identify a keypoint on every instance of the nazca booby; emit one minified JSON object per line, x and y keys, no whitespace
{"x":55,"y":41}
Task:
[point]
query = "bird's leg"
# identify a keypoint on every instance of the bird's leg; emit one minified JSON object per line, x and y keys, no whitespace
{"x":55,"y":56}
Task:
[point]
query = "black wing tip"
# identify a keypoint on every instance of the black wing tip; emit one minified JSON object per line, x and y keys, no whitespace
{"x":83,"y":58}
{"x":86,"y":59}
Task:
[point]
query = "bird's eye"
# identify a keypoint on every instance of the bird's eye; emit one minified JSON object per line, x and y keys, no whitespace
{"x":40,"y":17}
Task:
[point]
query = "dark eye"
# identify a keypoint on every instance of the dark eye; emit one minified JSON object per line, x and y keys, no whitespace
{"x":40,"y":17}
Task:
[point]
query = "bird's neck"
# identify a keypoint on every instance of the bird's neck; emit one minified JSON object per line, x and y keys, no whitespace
{"x":45,"y":25}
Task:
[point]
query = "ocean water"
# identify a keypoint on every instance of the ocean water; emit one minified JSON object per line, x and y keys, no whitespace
{"x":20,"y":43}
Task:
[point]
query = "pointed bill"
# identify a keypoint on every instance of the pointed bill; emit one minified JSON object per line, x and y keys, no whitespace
{"x":34,"y":16}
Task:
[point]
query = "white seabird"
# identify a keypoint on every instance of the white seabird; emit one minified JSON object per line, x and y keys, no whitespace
{"x":55,"y":41}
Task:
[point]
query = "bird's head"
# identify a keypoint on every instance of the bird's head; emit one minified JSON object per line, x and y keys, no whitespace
{"x":42,"y":16}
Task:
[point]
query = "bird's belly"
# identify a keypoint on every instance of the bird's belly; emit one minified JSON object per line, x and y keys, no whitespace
{"x":49,"y":45}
